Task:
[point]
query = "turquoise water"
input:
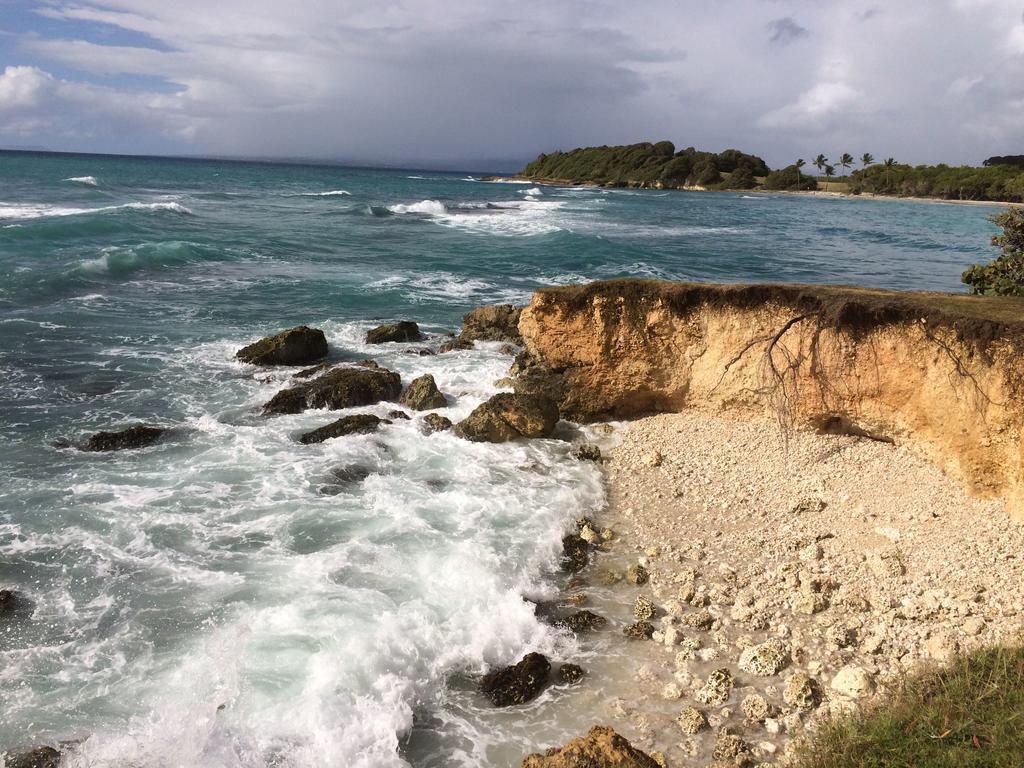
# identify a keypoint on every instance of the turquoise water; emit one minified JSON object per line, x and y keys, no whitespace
{"x":222,"y":599}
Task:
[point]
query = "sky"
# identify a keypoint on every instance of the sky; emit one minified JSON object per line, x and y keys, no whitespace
{"x":490,"y":84}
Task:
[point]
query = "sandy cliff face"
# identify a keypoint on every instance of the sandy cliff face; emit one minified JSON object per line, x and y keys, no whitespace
{"x":872,"y":363}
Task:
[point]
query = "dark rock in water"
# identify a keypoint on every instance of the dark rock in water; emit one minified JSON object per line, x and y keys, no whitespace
{"x":575,"y":553}
{"x":11,"y":601}
{"x":455,"y":345}
{"x":581,"y":621}
{"x":570,"y":674}
{"x":398,"y":415}
{"x":587,"y":452}
{"x":296,"y":346}
{"x":422,"y":394}
{"x":406,"y":330}
{"x":507,"y":416}
{"x":357,"y":424}
{"x":338,"y":388}
{"x":435,"y":422}
{"x":308,"y":373}
{"x":367,"y":363}
{"x":509,"y":349}
{"x":497,"y":322}
{"x":601,"y":748}
{"x":422,"y":352}
{"x":138,"y":436}
{"x":38,"y":757}
{"x":639,"y":630}
{"x":351,"y":473}
{"x":517,"y":684}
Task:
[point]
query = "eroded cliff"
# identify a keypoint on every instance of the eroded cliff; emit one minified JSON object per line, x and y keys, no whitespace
{"x":943,"y":373}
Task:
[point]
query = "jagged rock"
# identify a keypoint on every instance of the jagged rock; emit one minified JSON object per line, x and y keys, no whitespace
{"x":401,"y":415}
{"x":308,"y":373}
{"x":717,"y":689}
{"x":587,"y":452}
{"x":639,"y":630}
{"x":509,"y":349}
{"x":570,"y":674}
{"x":731,"y":750}
{"x":808,"y":505}
{"x":575,"y":553}
{"x":692,"y":721}
{"x":455,"y":345}
{"x":643,"y":608}
{"x":422,"y":394}
{"x":855,"y":682}
{"x":808,"y":603}
{"x":581,"y":621}
{"x":357,"y":424}
{"x":801,"y":691}
{"x":37,"y":757}
{"x":600,"y":748}
{"x":402,"y":331}
{"x":588,"y":534}
{"x":886,"y":563}
{"x":296,"y":346}
{"x":497,"y":322}
{"x":139,"y":436}
{"x":507,"y":416}
{"x":755,"y":708}
{"x":435,"y":422}
{"x":765,"y":659}
{"x":702,"y":619}
{"x":637,"y":574}
{"x":518,"y":683}
{"x":336,"y":389}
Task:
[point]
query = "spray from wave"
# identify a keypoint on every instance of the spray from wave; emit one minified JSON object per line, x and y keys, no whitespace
{"x":89,"y":181}
{"x":19,"y":211}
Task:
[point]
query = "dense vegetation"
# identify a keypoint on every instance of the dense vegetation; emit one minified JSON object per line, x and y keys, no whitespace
{"x":994,"y":182}
{"x":968,"y":715}
{"x":650,"y":165}
{"x":1004,"y":275}
{"x":791,"y":179}
{"x":1017,"y":160}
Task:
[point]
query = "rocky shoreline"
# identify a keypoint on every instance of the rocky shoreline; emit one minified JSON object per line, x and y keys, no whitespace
{"x":768,"y":558}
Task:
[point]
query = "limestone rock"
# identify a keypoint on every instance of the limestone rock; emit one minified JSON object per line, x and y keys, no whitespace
{"x":507,"y":416}
{"x":38,"y":757}
{"x":801,"y":691}
{"x":496,"y":322}
{"x":402,"y":331}
{"x":582,"y":621}
{"x":730,"y":749}
{"x":398,"y":415}
{"x":435,"y":422}
{"x":700,"y":619}
{"x":357,"y":424}
{"x":855,"y":682}
{"x":600,"y":748}
{"x":717,"y":689}
{"x":886,"y":563}
{"x":637,"y":574}
{"x":422,"y":394}
{"x":587,"y":452}
{"x":454,"y":345}
{"x":336,"y":389}
{"x":139,"y":436}
{"x":643,"y":608}
{"x":296,"y":346}
{"x":692,"y":721}
{"x":639,"y":630}
{"x":518,"y":683}
{"x":575,"y":553}
{"x":755,"y":708}
{"x":764,"y":659}
{"x":570,"y":674}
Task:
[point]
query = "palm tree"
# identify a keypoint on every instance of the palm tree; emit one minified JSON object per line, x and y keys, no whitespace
{"x":829,"y":173}
{"x":799,"y":164}
{"x":821,"y":161}
{"x":889,"y":163}
{"x":867,"y":159}
{"x":846,"y":160}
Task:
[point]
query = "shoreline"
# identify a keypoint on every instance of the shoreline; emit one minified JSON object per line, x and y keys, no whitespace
{"x":767,"y":192}
{"x":847,"y":552}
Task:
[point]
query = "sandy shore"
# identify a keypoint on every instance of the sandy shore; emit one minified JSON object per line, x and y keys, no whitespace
{"x":813,"y":571}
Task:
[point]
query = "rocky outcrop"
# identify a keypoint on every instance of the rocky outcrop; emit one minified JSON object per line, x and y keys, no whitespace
{"x":435,"y":422}
{"x":139,"y":436}
{"x":497,"y":322}
{"x":422,"y":394}
{"x":37,"y":757}
{"x":943,"y":373}
{"x":517,"y":684}
{"x":507,"y":416}
{"x":296,"y":346}
{"x":336,"y":389}
{"x":600,"y":748}
{"x":402,"y":331}
{"x":357,"y":424}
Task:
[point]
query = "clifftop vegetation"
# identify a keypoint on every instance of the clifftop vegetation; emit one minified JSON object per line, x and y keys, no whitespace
{"x":649,"y":165}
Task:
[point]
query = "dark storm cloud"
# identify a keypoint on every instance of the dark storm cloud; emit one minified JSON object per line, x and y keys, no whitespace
{"x":785,"y":30}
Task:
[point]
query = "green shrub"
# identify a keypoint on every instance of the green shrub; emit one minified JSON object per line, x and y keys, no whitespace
{"x":741,"y":178}
{"x":968,"y":715}
{"x":1004,"y":275}
{"x":790,"y":179}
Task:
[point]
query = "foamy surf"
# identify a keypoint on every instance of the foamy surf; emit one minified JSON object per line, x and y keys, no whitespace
{"x":504,"y":217}
{"x":15,"y":211}
{"x":329,"y":193}
{"x":89,"y":181}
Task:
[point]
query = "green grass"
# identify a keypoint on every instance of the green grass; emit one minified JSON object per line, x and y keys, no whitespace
{"x":967,"y":715}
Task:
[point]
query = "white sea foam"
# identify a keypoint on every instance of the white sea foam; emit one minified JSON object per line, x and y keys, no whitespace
{"x":89,"y":181}
{"x":329,"y":193}
{"x":428,"y":207}
{"x":535,"y":191}
{"x":40,"y":211}
{"x":506,"y":217}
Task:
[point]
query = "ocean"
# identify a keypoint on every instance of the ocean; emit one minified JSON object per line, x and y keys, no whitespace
{"x":230,"y":597}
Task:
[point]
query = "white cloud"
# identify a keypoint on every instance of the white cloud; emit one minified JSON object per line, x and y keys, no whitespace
{"x":460,"y":79}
